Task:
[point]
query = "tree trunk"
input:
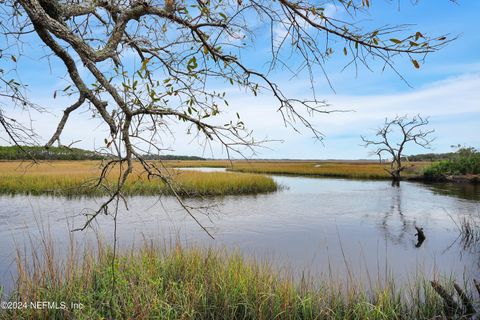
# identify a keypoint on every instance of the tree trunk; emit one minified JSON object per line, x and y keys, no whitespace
{"x":396,"y":171}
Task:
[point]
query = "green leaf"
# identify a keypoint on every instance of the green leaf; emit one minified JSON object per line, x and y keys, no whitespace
{"x":223,"y":16}
{"x":395,"y":41}
{"x":144,"y":64}
{"x":192,"y":64}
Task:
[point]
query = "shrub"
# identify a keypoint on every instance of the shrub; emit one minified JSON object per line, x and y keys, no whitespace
{"x":466,"y":161}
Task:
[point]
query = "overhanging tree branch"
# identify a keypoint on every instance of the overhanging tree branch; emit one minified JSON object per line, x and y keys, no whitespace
{"x":178,"y":49}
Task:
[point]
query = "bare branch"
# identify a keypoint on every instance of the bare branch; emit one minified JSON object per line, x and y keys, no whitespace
{"x":143,"y":65}
{"x":392,"y":138}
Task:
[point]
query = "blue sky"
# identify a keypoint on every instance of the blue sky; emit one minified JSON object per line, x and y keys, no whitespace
{"x":446,"y":88}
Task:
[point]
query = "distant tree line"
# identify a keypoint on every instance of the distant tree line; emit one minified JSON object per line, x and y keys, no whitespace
{"x":51,"y":153}
{"x":64,"y":153}
{"x":170,"y":157}
{"x":431,"y":157}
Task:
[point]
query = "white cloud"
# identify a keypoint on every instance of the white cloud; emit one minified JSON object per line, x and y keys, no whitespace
{"x":331,"y":10}
{"x":452,"y":104}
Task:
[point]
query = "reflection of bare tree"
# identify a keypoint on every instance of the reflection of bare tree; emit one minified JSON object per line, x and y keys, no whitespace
{"x":420,"y":237}
{"x":393,"y":216}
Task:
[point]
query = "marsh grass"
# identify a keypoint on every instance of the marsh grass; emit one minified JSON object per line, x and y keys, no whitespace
{"x":468,"y":226}
{"x":470,"y":230}
{"x":175,"y":282}
{"x":334,"y":169}
{"x":77,"y":178}
{"x":352,"y":170}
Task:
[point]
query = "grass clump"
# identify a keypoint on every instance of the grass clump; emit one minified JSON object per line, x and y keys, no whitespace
{"x":79,"y":178}
{"x":179,"y":283}
{"x":468,"y":226}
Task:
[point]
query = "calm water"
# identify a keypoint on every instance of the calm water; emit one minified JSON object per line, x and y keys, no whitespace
{"x":319,"y":225}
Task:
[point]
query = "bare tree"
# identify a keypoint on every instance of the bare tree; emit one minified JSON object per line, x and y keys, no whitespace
{"x":392,"y":138}
{"x":141,"y":65}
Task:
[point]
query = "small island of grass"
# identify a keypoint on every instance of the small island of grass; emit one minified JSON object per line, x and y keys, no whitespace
{"x":79,"y":178}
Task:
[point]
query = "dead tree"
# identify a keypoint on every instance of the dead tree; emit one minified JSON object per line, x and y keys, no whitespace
{"x":392,"y":138}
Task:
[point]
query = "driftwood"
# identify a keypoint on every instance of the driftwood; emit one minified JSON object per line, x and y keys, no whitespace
{"x":453,"y":306}
{"x":420,"y":237}
{"x":465,"y":300}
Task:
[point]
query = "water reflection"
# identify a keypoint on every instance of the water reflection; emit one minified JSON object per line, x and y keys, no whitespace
{"x":394,"y":223}
{"x":397,"y":226}
{"x":314,"y":224}
{"x":467,"y":191}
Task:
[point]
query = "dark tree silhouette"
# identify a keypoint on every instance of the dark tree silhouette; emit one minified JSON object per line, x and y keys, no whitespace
{"x":391,"y":139}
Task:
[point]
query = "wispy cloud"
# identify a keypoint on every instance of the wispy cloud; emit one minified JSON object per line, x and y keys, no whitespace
{"x":451,"y":104}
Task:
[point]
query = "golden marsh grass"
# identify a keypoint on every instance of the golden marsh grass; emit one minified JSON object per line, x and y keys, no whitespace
{"x":352,"y":170}
{"x":161,"y":282}
{"x":73,"y":178}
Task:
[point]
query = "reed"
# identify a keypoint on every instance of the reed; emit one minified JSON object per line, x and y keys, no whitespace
{"x":68,"y":178}
{"x":174,"y":282}
{"x":468,"y":226}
